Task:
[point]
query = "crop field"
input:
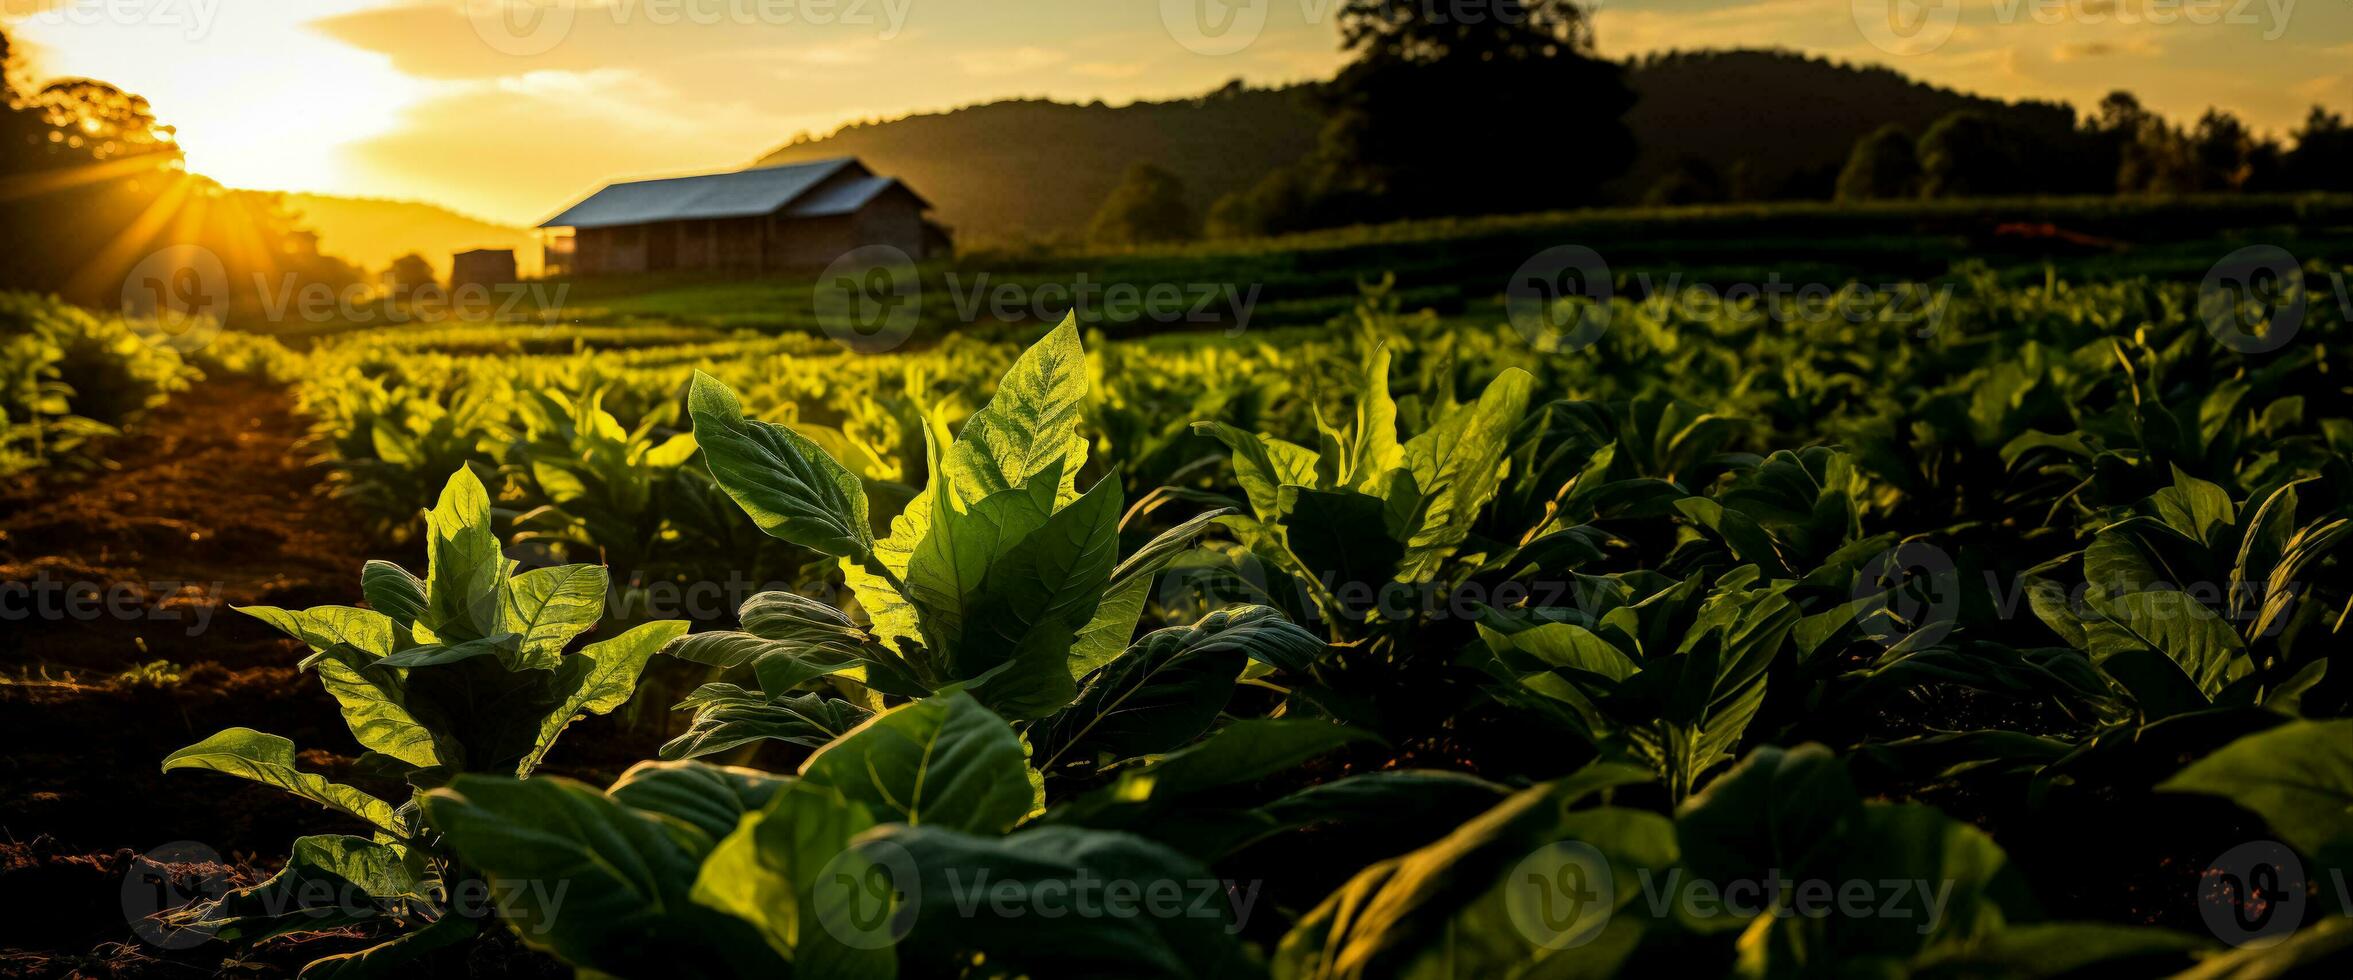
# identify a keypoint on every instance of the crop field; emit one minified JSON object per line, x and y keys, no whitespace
{"x":1408,"y":631}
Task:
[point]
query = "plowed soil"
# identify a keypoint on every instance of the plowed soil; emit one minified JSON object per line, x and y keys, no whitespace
{"x":118,"y":645}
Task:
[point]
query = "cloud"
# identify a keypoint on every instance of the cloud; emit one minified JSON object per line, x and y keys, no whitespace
{"x":516,"y":148}
{"x":2325,"y":88}
{"x":2142,"y":47}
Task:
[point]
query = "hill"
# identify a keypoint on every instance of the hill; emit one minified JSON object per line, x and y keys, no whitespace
{"x":1788,"y":119}
{"x":372,"y":232}
{"x":1037,"y":169}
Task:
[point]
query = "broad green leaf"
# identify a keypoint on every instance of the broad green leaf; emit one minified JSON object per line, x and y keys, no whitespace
{"x":783,"y":869}
{"x":2207,"y":651}
{"x":604,"y":886}
{"x":550,"y":606}
{"x":2198,"y":509}
{"x":1115,"y":618}
{"x":1173,"y":793}
{"x":1778,"y":809}
{"x":598,"y":679}
{"x":2298,"y":777}
{"x":375,"y":708}
{"x":329,"y":882}
{"x":1456,"y":464}
{"x":466,"y":572}
{"x":1373,"y":450}
{"x":950,"y":563}
{"x":502,"y":646}
{"x":1262,"y":465}
{"x":391,"y":590}
{"x":944,"y":760}
{"x":788,"y":485}
{"x":366,"y":631}
{"x":1043,"y":870}
{"x":727,"y":716}
{"x":712,"y":798}
{"x":269,"y":759}
{"x":1028,"y":609}
{"x":1458,"y":907}
{"x":1031,"y":424}
{"x":1170,"y":686}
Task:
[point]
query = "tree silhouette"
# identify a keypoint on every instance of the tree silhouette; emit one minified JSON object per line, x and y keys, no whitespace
{"x":1148,"y":206}
{"x":1884,"y":166}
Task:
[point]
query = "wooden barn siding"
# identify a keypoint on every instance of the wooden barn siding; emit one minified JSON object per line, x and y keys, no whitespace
{"x":754,"y":245}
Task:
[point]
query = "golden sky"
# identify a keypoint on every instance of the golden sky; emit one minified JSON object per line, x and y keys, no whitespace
{"x":510,"y":109}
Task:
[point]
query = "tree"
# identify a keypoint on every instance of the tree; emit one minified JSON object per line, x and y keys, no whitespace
{"x":408,"y":274}
{"x":1147,"y":207}
{"x":101,"y":191}
{"x":2323,"y":157}
{"x":1884,"y":166}
{"x":1433,"y":117}
{"x":2222,"y":152}
{"x":1972,"y":154}
{"x":1690,"y":181}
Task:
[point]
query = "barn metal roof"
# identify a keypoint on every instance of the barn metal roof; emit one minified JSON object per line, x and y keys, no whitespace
{"x":844,"y":197}
{"x":736,"y":194}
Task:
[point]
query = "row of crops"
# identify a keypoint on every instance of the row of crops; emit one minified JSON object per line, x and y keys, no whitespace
{"x":68,"y":376}
{"x":1735,"y":643}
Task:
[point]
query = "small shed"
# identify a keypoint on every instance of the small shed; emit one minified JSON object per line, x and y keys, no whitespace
{"x":485,"y":267}
{"x":767,"y":219}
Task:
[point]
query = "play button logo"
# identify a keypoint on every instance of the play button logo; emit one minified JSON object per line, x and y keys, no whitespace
{"x":1906,"y":27}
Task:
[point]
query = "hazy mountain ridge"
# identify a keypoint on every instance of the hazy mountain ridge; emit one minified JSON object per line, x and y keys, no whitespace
{"x":1038,"y":169}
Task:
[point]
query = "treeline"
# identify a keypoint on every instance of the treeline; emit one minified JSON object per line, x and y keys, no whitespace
{"x":97,"y":206}
{"x":2122,"y":148}
{"x":1444,"y":114}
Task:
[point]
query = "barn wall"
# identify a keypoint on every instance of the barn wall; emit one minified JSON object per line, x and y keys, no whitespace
{"x":894,"y":218}
{"x":751,"y":246}
{"x":609,"y":251}
{"x":810,"y":243}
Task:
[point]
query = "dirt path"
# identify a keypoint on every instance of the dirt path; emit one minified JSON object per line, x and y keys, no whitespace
{"x":117,"y":646}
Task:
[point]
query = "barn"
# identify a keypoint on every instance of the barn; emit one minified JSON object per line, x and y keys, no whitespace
{"x":794,"y":217}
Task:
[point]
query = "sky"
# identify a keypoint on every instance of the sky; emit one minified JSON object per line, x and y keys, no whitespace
{"x":511,"y":109}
